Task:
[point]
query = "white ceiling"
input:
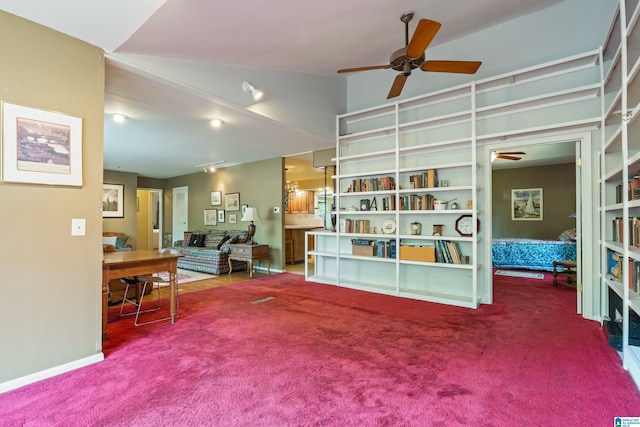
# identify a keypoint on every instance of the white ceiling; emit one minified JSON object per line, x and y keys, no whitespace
{"x":172,"y":64}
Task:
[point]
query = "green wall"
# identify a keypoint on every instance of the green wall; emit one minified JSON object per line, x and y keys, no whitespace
{"x":50,"y":281}
{"x":259,"y":184}
{"x":558,"y":183}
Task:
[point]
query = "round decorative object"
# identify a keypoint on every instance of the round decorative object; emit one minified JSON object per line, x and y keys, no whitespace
{"x":389,"y":226}
{"x":416,"y":228}
{"x":464,"y":225}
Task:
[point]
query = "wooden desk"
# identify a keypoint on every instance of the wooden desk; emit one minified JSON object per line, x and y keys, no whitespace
{"x":249,"y":253}
{"x":116,"y":265}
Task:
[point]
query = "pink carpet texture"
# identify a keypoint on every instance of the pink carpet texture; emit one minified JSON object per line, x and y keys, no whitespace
{"x":279,"y":351}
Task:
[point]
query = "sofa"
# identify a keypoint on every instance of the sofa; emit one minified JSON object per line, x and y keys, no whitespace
{"x":207,"y":251}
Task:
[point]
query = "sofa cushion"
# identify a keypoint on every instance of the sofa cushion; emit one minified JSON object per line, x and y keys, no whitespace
{"x":196,"y":240}
{"x":222,"y":242}
{"x":187,"y":237}
{"x":213,"y":237}
{"x":121,"y":241}
{"x":225,"y":246}
{"x":110,"y":240}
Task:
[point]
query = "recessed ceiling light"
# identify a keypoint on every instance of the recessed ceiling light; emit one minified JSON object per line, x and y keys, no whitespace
{"x":119,"y":118}
{"x":216,"y":122}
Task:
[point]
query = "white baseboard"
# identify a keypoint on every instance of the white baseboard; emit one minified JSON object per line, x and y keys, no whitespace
{"x":51,"y":372}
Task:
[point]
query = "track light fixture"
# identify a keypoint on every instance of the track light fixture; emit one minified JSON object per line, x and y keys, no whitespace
{"x":250,"y":88}
{"x":210,"y":167}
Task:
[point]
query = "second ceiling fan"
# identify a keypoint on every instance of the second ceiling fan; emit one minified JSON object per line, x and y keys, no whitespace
{"x":411,"y":56}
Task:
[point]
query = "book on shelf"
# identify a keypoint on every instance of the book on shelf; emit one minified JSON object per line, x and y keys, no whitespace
{"x":417,"y":202}
{"x":372,"y":184}
{"x":386,"y":248}
{"x":448,"y":252}
{"x":389,"y":203}
{"x":634,"y":275}
{"x":426,"y":179}
{"x":354,"y":225}
{"x":614,"y":265}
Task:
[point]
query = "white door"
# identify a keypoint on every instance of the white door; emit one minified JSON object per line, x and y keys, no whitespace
{"x":180,"y":212}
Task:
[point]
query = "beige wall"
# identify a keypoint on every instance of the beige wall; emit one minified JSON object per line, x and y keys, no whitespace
{"x":558,"y":183}
{"x":259,"y":184}
{"x":50,"y":281}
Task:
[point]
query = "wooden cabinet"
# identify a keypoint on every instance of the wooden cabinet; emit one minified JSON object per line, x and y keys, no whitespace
{"x":301,"y":202}
{"x":295,"y":244}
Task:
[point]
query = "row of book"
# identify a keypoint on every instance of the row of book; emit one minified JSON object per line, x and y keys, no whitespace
{"x":355,"y":225}
{"x":448,"y":251}
{"x":614,"y":270}
{"x":427,"y":179}
{"x":634,"y":231}
{"x":633,"y":190}
{"x":372,"y":184}
{"x":377,"y":248}
{"x":417,"y":202}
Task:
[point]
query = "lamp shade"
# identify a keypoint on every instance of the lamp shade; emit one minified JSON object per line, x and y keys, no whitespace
{"x":250,"y":214}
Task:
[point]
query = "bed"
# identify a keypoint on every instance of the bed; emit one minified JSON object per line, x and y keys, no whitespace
{"x":531,"y":254}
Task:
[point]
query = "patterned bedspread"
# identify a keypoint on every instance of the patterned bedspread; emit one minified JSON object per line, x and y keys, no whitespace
{"x":531,"y":254}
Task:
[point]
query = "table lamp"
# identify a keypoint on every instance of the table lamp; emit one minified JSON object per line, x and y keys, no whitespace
{"x":251,"y":214}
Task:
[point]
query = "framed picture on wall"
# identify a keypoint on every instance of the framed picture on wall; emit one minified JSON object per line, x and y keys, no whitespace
{"x":232,"y":202}
{"x":112,"y":201}
{"x":243,"y":209}
{"x":220,"y":216}
{"x":233,"y":219}
{"x":41,"y":147}
{"x":216,"y":198}
{"x":210,"y":217}
{"x":526,"y":204}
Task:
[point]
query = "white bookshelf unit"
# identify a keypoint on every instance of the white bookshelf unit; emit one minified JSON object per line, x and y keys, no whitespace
{"x":380,"y":150}
{"x":620,"y":174}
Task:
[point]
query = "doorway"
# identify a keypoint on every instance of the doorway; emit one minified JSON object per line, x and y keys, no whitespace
{"x":575,"y":147}
{"x":180,"y":212}
{"x":149,"y":219}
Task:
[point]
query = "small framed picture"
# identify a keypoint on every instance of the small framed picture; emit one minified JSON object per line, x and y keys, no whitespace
{"x":216,"y":198}
{"x":220,"y":216}
{"x":112,"y":201}
{"x":233,"y":219}
{"x":232,"y":202}
{"x":210,"y":217}
{"x":243,"y":209}
{"x":526,"y":204}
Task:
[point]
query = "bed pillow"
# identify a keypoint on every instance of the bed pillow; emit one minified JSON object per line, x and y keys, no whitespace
{"x":568,"y":235}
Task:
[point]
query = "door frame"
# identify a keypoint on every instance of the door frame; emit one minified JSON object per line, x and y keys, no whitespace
{"x":588,"y":299}
{"x":177,"y":218}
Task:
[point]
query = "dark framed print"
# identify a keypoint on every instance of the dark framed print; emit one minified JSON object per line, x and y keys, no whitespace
{"x":232,"y":202}
{"x":216,"y":198}
{"x":220,"y":216}
{"x":112,"y":201}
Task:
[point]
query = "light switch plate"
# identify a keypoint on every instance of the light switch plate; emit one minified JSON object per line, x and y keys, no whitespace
{"x":78,"y":227}
{"x":276,"y":209}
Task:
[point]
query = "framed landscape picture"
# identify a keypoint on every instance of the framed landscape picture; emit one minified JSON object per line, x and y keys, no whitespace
{"x":210,"y":217}
{"x":41,"y":147}
{"x":112,"y":201}
{"x":526,"y":204}
{"x":232,"y":202}
{"x":216,"y":198}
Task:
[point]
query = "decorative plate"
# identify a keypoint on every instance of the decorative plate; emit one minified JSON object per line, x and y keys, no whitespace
{"x":389,"y":226}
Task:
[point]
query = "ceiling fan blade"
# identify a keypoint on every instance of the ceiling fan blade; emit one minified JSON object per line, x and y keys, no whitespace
{"x":371,"y":67}
{"x":462,"y":67}
{"x":396,"y":87}
{"x":510,"y":152}
{"x":500,"y":156}
{"x":425,"y":32}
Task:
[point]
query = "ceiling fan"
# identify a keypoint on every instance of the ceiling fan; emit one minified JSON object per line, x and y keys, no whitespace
{"x":508,"y":155}
{"x":411,"y":56}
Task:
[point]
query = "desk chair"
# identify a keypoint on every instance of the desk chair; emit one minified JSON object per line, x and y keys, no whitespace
{"x":144,"y":281}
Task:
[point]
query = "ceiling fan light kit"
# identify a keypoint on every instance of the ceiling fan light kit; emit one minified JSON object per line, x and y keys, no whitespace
{"x":412,"y":56}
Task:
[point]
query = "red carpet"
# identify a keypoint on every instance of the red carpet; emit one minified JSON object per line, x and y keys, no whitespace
{"x":322,"y":355}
